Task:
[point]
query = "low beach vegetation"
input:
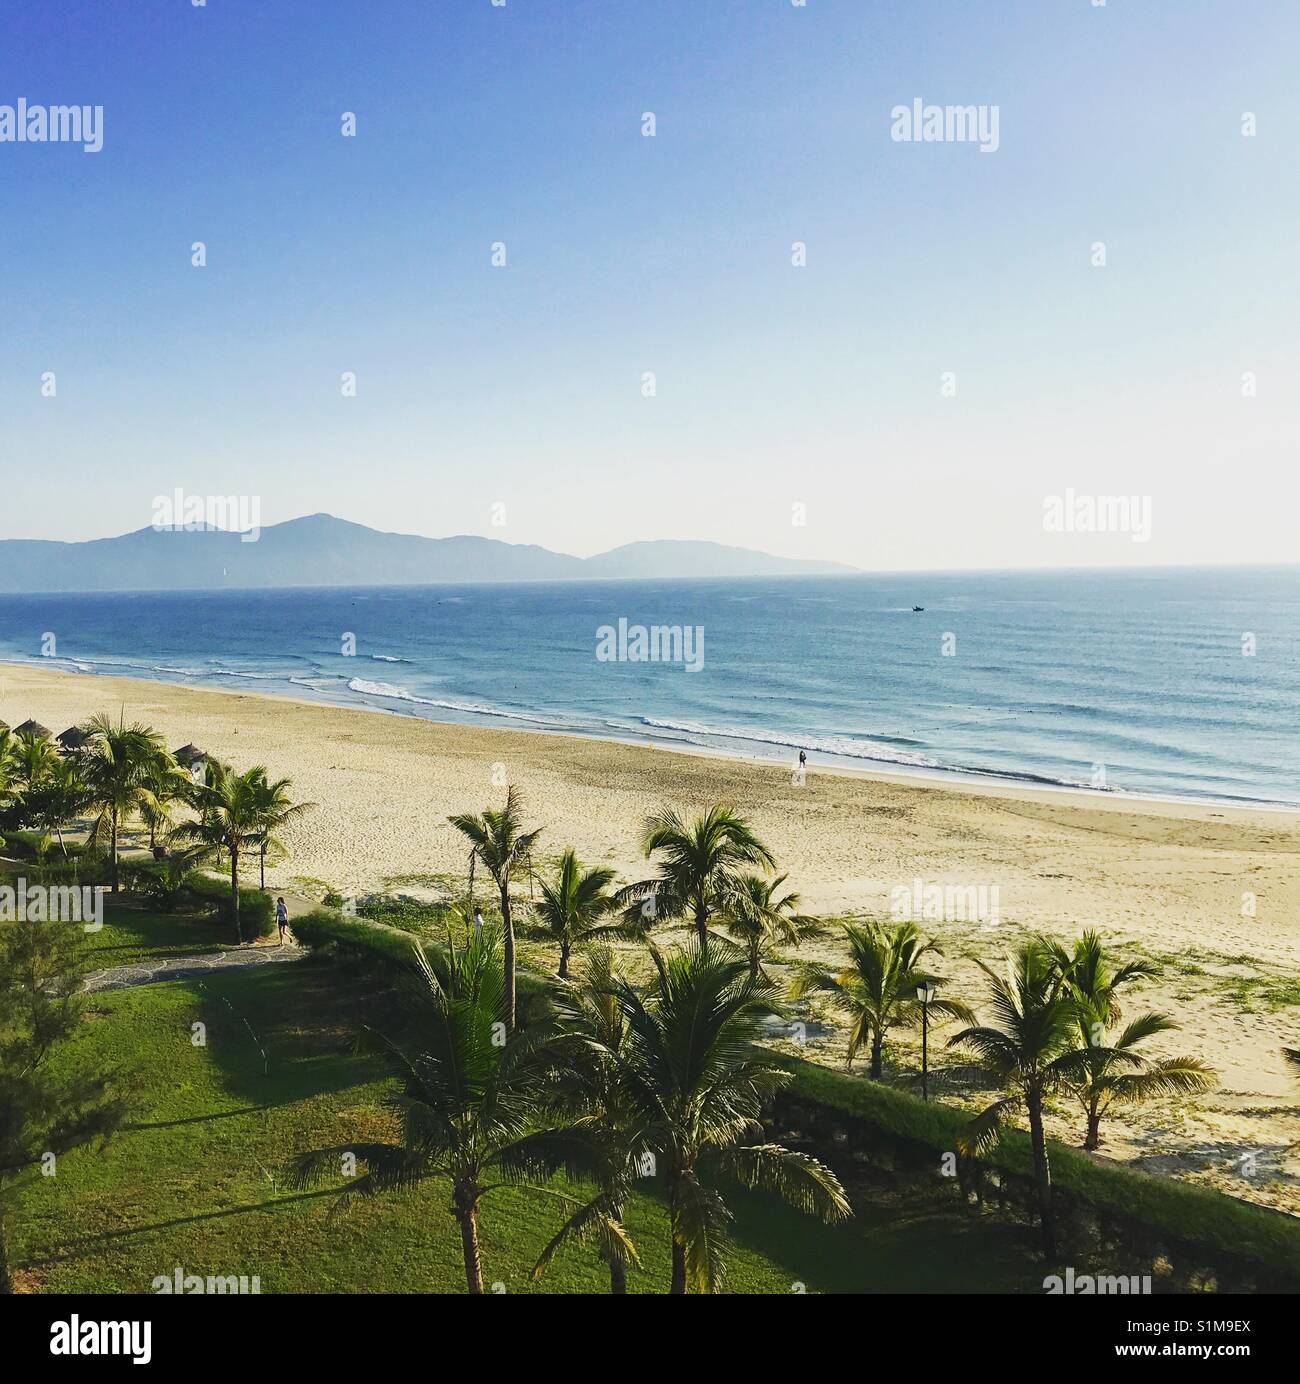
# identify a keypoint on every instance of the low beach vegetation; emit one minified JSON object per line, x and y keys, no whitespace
{"x":630,"y":1042}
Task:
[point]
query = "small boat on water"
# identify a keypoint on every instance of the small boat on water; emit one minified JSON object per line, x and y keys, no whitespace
{"x":915,"y":608}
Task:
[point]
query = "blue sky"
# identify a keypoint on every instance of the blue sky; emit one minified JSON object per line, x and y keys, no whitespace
{"x":776,"y":385}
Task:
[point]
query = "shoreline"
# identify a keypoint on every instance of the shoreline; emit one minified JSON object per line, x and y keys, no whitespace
{"x":27,"y":688}
{"x":953,"y":780}
{"x":1168,"y":882}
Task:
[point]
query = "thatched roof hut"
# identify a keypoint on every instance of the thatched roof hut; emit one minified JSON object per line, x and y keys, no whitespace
{"x":33,"y":728}
{"x":73,"y":739}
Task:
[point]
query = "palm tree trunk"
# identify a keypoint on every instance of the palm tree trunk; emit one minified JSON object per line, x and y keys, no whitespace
{"x":1042,"y":1175}
{"x":563,"y":972}
{"x":264,"y":867}
{"x":1093,"y":1139}
{"x":234,"y":893}
{"x":617,"y":1264}
{"x":508,"y":929}
{"x":467,"y":1218}
{"x":877,"y":1056}
{"x":702,"y":923}
{"x":678,"y":1285}
{"x":114,"y":850}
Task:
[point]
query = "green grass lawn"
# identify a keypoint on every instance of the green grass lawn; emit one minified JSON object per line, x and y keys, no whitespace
{"x":131,"y":936}
{"x":197,"y":1179}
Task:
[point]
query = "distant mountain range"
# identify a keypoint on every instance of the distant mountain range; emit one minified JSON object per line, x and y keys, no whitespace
{"x":320,"y":550}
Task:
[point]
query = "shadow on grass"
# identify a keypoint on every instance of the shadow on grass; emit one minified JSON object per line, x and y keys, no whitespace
{"x":280,"y":1034}
{"x":137,"y":1127}
{"x":899,"y":1240}
{"x":75,"y":1249}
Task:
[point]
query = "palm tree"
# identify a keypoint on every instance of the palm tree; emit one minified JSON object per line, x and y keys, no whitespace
{"x":1032,"y":1052}
{"x":33,"y":758}
{"x":593,"y":1026}
{"x":28,"y":760}
{"x":168,"y":783}
{"x":1087,"y":967}
{"x":195,"y":795}
{"x":63,"y":794}
{"x":469,"y":1105}
{"x":1114,"y":1074}
{"x":574,"y":905}
{"x":759,"y":921}
{"x":878,"y":990}
{"x":7,"y":745}
{"x":117,"y":762}
{"x":236,"y":812}
{"x":505,"y":849}
{"x":8,"y":793}
{"x":1112,"y":1071}
{"x":694,"y":1087}
{"x":273,"y":807}
{"x":700,"y":862}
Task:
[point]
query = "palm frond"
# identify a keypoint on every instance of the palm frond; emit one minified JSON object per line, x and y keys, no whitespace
{"x":797,"y":1178}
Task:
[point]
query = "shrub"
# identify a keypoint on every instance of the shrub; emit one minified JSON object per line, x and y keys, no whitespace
{"x":387,"y":950}
{"x":170,"y":884}
{"x":26,"y":845}
{"x":410,"y":915}
{"x":84,"y":869}
{"x":356,"y":939}
{"x":1192,"y":1215}
{"x":256,"y":909}
{"x":55,"y":870}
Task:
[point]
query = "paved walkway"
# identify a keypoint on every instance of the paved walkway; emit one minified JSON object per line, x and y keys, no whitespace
{"x":183,"y":967}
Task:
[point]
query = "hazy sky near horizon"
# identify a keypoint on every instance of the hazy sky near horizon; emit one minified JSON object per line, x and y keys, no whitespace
{"x":777,"y":386}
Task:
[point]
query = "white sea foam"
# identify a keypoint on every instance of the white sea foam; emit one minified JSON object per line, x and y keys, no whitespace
{"x":842,"y":745}
{"x":846,"y":747}
{"x":400,"y":694}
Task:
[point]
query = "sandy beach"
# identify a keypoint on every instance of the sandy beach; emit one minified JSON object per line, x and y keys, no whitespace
{"x":1172,"y":881}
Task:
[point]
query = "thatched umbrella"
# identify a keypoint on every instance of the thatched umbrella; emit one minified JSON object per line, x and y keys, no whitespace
{"x":73,"y":739}
{"x":33,"y":728}
{"x":188,"y":755}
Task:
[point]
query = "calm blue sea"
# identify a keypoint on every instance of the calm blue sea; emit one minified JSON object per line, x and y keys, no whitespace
{"x":1050,"y":676}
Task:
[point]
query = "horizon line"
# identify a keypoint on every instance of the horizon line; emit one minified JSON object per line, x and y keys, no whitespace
{"x":532,"y":581}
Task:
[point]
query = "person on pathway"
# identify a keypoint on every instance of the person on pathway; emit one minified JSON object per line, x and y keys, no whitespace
{"x":281,"y":917}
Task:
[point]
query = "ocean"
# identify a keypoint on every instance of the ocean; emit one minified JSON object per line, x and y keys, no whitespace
{"x":1180,"y":683}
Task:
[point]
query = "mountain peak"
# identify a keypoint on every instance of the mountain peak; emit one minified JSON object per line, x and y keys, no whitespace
{"x":323,"y":550}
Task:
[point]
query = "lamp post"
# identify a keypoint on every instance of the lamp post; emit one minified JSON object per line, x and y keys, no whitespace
{"x":925,"y":992}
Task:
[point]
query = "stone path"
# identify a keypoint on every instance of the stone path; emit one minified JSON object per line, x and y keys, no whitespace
{"x":183,"y":967}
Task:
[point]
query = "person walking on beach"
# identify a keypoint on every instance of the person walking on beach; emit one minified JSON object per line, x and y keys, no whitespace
{"x":803,"y":759}
{"x":281,"y":917}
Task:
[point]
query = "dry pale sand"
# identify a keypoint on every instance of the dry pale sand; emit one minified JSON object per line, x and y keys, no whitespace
{"x":1165,"y":879}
